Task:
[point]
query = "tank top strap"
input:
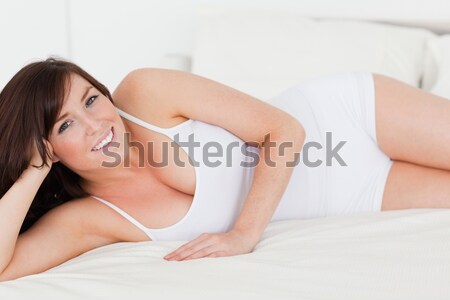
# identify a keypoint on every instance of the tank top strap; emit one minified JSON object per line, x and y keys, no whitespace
{"x":125,"y":215}
{"x":165,"y":131}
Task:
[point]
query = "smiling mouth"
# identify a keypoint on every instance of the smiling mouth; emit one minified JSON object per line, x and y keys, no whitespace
{"x":105,"y":142}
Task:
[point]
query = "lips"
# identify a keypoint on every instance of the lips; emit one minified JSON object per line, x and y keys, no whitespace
{"x":103,"y":137}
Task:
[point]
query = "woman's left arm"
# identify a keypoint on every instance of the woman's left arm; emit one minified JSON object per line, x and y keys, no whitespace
{"x":254,"y":121}
{"x":269,"y":183}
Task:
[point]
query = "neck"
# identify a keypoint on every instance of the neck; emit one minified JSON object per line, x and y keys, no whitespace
{"x":110,"y":181}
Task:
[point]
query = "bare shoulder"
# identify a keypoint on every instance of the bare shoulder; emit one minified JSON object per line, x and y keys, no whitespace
{"x":91,"y":218}
{"x":101,"y":221}
{"x":172,"y":93}
{"x":66,"y":231}
{"x":82,"y":214}
{"x":58,"y":236}
{"x":138,"y":95}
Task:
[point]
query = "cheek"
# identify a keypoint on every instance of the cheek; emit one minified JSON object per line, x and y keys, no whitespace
{"x":112,"y":112}
{"x":70,"y":148}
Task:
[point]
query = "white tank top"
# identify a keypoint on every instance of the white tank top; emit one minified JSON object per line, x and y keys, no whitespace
{"x":220,"y":191}
{"x":341,"y":104}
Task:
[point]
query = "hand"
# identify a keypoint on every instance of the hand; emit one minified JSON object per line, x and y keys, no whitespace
{"x":36,"y":158}
{"x":229,"y":243}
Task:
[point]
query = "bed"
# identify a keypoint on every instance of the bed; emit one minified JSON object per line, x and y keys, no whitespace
{"x":403,"y":254}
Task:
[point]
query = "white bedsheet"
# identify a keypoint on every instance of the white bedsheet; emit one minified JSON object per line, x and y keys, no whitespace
{"x":401,"y":254}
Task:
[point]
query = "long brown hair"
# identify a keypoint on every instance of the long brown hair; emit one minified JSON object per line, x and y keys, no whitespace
{"x":29,"y":106}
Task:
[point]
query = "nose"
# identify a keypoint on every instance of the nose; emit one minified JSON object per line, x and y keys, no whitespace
{"x":92,"y":126}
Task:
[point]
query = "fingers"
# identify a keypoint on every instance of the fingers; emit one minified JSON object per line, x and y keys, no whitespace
{"x":186,"y":250}
{"x":203,"y":252}
{"x":213,"y":245}
{"x":51,"y":154}
{"x":215,"y":254}
{"x":36,"y":159}
{"x":210,"y":251}
{"x":190,"y":249}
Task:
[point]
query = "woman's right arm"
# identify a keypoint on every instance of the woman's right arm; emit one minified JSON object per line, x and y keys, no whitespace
{"x":64,"y":232}
{"x":14,"y":206}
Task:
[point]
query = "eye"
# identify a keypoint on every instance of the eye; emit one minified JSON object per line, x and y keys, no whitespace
{"x":63,"y":127}
{"x":88,"y":103}
{"x":91,"y":100}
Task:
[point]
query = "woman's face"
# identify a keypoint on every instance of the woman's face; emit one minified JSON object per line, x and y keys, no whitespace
{"x":84,"y":127}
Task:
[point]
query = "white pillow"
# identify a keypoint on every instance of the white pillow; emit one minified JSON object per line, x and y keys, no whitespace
{"x":263,"y":52}
{"x":437,"y":67}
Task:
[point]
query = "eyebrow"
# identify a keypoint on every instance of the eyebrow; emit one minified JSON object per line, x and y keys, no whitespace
{"x":81,"y":100}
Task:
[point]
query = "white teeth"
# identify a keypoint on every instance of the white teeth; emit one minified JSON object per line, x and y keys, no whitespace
{"x":104,"y":142}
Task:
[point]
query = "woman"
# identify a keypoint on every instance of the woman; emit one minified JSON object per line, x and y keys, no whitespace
{"x":95,"y":169}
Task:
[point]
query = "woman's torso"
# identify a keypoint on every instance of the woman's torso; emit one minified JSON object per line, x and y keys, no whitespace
{"x":161,"y":201}
{"x":322,"y":106}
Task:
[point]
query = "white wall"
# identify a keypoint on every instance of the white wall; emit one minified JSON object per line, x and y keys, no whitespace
{"x":30,"y":30}
{"x":110,"y":38}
